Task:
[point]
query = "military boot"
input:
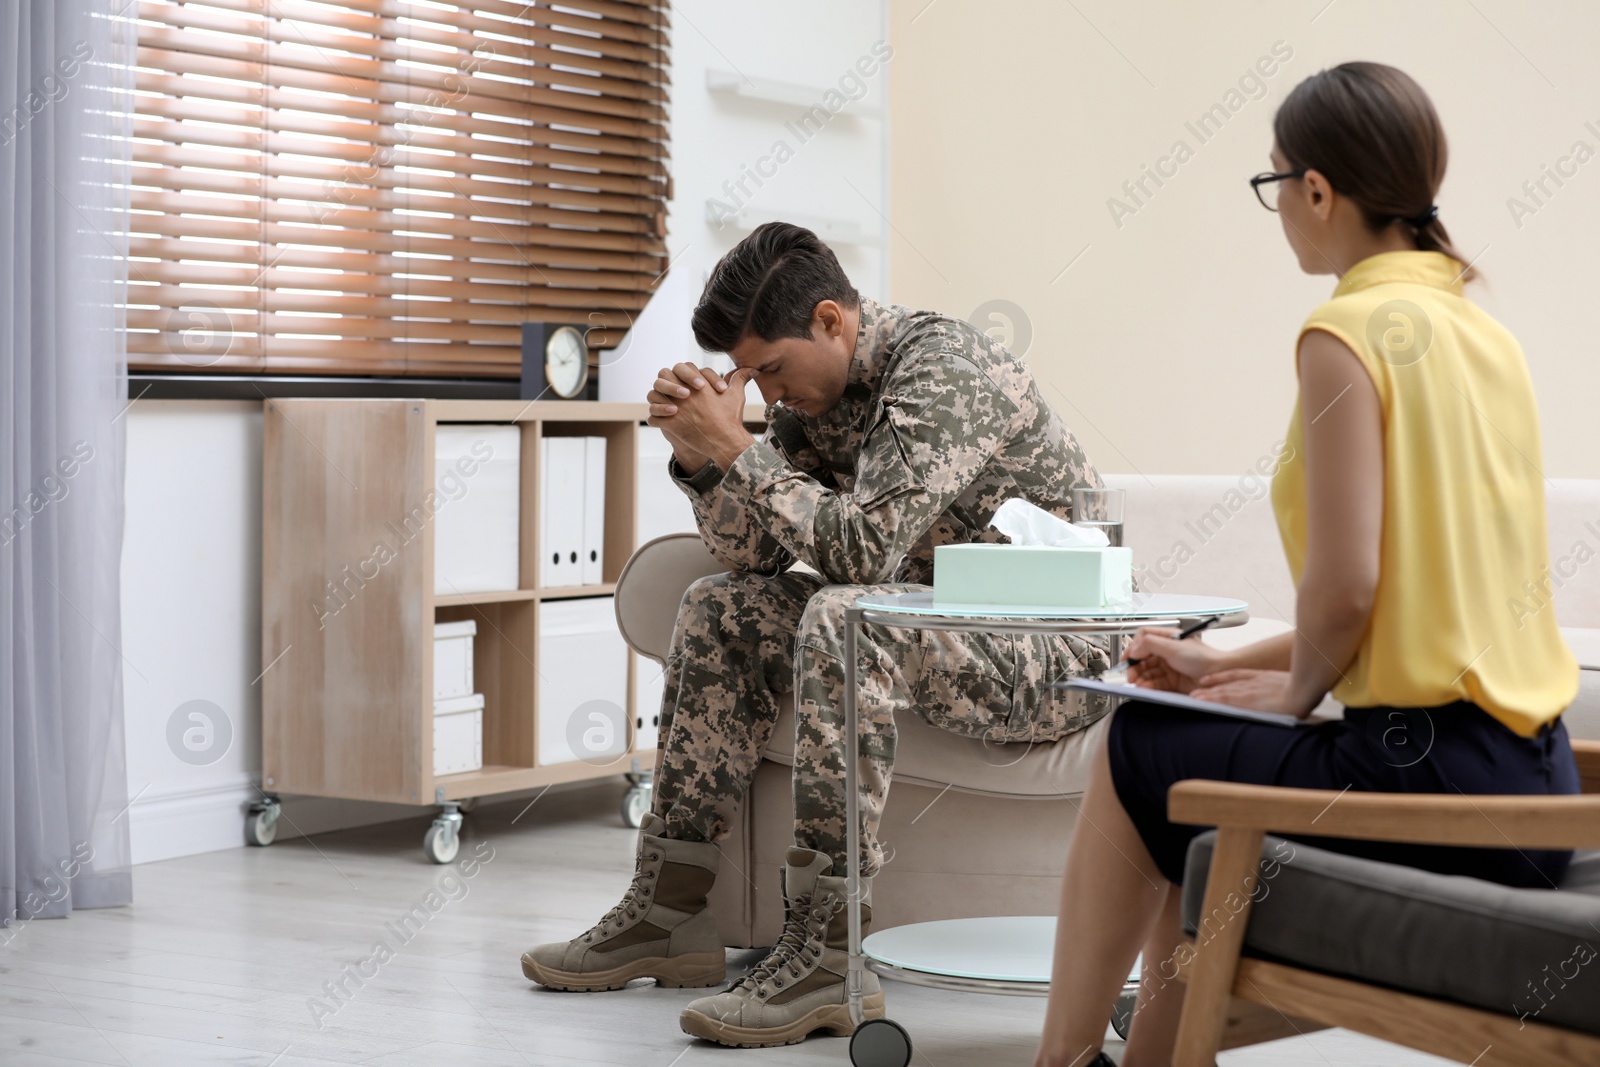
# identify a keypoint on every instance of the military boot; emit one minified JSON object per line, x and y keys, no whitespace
{"x":662,"y":928}
{"x":800,"y":986}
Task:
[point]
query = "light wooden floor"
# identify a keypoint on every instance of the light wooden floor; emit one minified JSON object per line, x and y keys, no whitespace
{"x":222,"y":959}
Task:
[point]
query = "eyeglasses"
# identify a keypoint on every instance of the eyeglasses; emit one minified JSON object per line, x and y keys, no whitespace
{"x":1269,"y":178}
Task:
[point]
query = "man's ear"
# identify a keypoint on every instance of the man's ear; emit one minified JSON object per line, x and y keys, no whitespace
{"x":827,"y":317}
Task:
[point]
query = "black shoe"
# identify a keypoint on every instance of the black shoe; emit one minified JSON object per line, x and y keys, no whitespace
{"x":1101,"y":1060}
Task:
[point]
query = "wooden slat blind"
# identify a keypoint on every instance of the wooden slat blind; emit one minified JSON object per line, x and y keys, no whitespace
{"x":390,"y":187}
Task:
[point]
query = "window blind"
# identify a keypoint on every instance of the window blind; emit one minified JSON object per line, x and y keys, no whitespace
{"x":391,"y":187}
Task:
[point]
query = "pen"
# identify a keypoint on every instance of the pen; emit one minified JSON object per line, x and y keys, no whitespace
{"x":1188,"y":631}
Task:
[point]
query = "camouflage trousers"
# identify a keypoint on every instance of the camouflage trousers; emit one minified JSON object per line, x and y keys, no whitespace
{"x":744,"y":639}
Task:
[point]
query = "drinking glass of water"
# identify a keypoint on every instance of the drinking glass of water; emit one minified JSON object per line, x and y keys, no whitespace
{"x":1099,"y":509}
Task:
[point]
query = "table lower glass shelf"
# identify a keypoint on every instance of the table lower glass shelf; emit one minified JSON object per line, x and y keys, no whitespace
{"x":1008,"y":954}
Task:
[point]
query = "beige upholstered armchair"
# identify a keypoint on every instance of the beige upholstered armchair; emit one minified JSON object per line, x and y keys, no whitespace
{"x":975,"y":829}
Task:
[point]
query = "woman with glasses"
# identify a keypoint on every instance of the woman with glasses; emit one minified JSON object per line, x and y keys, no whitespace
{"x":1411,"y":508}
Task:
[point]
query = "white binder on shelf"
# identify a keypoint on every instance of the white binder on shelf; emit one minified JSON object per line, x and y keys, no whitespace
{"x":649,"y":685}
{"x":592,"y":560}
{"x":561,"y":463}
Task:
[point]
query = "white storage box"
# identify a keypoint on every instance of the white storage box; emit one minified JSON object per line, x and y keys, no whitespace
{"x":452,"y":658}
{"x":583,"y":682}
{"x":458,"y":734}
{"x":477,"y":476}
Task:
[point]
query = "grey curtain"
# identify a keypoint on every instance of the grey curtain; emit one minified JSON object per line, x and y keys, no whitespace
{"x":64,"y":78}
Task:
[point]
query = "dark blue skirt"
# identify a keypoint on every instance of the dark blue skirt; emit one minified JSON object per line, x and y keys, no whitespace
{"x":1453,"y":749}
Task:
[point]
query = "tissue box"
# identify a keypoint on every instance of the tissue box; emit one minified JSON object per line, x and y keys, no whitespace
{"x":1032,"y":576}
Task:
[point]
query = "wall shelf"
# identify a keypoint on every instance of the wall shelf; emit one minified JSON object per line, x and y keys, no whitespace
{"x":833,"y":231}
{"x":790,"y":94}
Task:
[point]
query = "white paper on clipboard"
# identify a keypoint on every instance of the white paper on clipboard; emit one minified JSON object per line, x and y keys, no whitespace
{"x":1179,"y":700}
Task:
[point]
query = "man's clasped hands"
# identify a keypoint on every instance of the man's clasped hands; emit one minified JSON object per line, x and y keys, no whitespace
{"x":702,"y":414}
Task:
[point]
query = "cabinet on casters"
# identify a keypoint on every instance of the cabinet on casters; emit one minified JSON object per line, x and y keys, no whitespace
{"x":349,"y":510}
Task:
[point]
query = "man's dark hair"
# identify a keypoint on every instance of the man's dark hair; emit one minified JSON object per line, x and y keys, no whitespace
{"x":769,"y":285}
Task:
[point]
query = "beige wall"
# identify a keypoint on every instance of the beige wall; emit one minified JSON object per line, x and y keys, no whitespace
{"x":1168,"y":343}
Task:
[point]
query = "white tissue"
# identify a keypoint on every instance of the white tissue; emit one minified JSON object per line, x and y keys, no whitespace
{"x":1028,"y":524}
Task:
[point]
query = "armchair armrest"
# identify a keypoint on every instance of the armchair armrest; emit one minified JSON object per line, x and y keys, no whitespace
{"x":1481,"y":821}
{"x":651,"y":587}
{"x":1441,"y":819}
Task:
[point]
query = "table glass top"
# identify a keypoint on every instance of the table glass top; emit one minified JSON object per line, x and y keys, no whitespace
{"x":1142,"y":606}
{"x":1009,"y":948}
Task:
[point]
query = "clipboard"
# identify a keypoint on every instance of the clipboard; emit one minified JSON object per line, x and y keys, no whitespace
{"x":1179,"y":700}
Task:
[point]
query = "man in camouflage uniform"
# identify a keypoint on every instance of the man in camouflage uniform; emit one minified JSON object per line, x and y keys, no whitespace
{"x":890,"y":432}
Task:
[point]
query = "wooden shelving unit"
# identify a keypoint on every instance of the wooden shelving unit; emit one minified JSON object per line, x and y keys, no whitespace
{"x":347,"y":629}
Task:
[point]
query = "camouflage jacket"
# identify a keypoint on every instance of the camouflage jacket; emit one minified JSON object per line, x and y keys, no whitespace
{"x":938,"y":426}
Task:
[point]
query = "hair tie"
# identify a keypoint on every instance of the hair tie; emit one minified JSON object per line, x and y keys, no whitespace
{"x":1425,"y":218}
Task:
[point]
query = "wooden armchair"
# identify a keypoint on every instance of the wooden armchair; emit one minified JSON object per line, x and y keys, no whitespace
{"x":1234,"y":999}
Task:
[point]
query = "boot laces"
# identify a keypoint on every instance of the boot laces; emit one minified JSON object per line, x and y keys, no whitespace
{"x":633,"y":899}
{"x":805,"y":923}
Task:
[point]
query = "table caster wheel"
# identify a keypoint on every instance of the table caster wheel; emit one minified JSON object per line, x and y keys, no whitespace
{"x":261,"y":824}
{"x":636,"y":805}
{"x":880,"y":1043}
{"x":467,"y":805}
{"x":1122,"y":1014}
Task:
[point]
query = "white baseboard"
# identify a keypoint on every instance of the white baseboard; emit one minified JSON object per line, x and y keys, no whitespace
{"x":166,"y":821}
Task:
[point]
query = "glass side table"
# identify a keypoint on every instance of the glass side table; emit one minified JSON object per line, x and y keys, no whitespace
{"x":1005,"y":954}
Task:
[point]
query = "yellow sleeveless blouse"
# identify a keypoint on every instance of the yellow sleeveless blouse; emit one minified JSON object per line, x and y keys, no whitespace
{"x":1463,"y":504}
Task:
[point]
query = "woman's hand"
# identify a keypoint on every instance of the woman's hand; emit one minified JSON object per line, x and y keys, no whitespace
{"x":1166,"y":663}
{"x":1248,"y":688}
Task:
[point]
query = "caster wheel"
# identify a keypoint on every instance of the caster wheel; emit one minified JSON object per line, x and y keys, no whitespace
{"x":880,"y":1043}
{"x":441,"y":842}
{"x":636,"y":805}
{"x":261,"y":825}
{"x":466,"y":805}
{"x":1122,"y":1014}
{"x":261,"y":828}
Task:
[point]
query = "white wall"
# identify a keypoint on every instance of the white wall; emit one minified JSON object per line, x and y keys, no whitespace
{"x":720,"y":140}
{"x":1168,"y":344}
{"x":191,"y":578}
